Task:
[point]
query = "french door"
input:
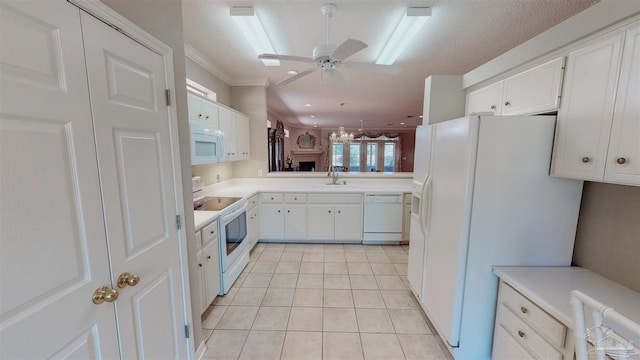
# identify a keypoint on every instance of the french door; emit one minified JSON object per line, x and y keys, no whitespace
{"x":87,"y":192}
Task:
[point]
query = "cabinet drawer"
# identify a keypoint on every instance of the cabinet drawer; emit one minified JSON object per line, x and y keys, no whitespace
{"x":537,"y":318}
{"x":525,"y":335}
{"x":295,"y":198}
{"x":272,"y":197}
{"x":335,"y":198}
{"x":210,"y":232}
{"x":252,"y":202}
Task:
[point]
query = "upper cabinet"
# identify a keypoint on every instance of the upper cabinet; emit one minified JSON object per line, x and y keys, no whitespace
{"x":202,"y":110}
{"x":598,"y":131}
{"x":233,"y":125}
{"x":533,"y":91}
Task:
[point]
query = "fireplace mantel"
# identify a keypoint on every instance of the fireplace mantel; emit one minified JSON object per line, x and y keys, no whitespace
{"x":306,"y":152}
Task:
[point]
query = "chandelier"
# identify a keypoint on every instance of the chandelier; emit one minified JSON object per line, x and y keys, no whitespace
{"x":341,"y":136}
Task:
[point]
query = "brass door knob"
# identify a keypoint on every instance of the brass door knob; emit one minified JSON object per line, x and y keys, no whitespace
{"x":104,"y":293}
{"x":585,"y":159}
{"x":126,"y":279}
{"x":621,"y":160}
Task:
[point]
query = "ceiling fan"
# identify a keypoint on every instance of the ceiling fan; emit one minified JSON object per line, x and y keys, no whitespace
{"x":328,"y":58}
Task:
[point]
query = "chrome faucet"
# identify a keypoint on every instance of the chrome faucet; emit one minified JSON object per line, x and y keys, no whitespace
{"x":334,"y":175}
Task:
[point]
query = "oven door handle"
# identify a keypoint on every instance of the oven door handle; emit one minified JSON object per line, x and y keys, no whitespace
{"x":229,"y":217}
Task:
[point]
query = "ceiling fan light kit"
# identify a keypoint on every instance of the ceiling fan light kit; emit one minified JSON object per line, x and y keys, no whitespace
{"x":329,"y":57}
{"x":405,"y":32}
{"x":248,"y":22}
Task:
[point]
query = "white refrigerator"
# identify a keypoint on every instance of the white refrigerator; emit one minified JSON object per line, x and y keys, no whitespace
{"x":487,"y":200}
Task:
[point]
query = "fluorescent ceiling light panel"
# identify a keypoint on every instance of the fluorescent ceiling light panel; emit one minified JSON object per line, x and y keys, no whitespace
{"x":406,"y":30}
{"x":253,"y":31}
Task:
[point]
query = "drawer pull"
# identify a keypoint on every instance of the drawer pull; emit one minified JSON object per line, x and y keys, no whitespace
{"x":621,"y":160}
{"x":272,"y":198}
{"x":521,"y":333}
{"x":524,"y":310}
{"x":493,"y":107}
{"x":295,"y":198}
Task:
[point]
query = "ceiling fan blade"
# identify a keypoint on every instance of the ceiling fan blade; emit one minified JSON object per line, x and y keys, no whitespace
{"x":376,"y":68}
{"x":348,"y":48}
{"x":285,"y":58}
{"x":338,"y":80}
{"x":295,"y":77}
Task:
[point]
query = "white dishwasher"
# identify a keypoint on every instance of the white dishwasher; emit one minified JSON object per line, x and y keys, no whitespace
{"x":382,"y":218}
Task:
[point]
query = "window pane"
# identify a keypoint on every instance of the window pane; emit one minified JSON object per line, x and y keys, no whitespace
{"x":389,"y":156}
{"x":337,"y":158}
{"x":372,"y":157}
{"x":354,"y":157}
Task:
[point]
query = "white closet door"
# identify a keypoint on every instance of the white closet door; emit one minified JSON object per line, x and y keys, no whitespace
{"x":131,"y":118}
{"x":53,"y":250}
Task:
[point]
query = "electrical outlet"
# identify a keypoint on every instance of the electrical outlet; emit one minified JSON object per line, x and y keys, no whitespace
{"x":259,"y":172}
{"x":218,"y":177}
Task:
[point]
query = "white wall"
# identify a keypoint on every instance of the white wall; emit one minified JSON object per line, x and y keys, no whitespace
{"x":203,"y":77}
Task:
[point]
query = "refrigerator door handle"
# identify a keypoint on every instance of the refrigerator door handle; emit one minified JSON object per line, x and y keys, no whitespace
{"x":424,"y":203}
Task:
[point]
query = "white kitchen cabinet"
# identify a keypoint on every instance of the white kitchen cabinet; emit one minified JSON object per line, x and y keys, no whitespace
{"x":200,"y":280}
{"x":253,"y":221}
{"x":243,"y":137}
{"x":486,"y":99}
{"x":211,"y":259}
{"x":597,"y":134}
{"x":320,"y":221}
{"x":348,"y":222}
{"x":202,"y":110}
{"x":283,"y":216}
{"x":334,"y":217}
{"x":229,"y":132}
{"x":525,"y":331}
{"x":533,"y":91}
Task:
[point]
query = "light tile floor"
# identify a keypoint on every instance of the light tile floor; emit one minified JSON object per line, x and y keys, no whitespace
{"x":321,"y":301}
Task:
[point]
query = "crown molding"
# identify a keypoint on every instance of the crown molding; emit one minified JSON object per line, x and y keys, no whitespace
{"x":196,"y":56}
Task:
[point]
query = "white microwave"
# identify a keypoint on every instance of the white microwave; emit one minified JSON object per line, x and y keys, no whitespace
{"x":206,"y":144}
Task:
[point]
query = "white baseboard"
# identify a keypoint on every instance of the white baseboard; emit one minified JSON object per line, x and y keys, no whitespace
{"x":201,"y":350}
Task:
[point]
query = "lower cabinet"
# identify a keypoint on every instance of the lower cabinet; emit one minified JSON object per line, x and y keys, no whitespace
{"x":524,"y":331}
{"x":297,"y":216}
{"x":334,"y":217}
{"x":208,"y":259}
{"x":253,"y":221}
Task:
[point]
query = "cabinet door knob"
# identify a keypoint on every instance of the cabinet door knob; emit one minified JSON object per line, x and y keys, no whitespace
{"x":493,"y":107}
{"x":200,"y":265}
{"x":621,"y":160}
{"x":199,"y":116}
{"x":585,"y":159}
{"x":507,"y":103}
{"x":339,"y":212}
{"x":278,"y":210}
{"x":524,"y":310}
{"x":289,"y":211}
{"x":521,"y":333}
{"x":329,"y":211}
{"x":209,"y":257}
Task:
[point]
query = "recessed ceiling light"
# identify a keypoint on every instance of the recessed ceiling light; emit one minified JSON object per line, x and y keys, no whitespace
{"x":292,"y":72}
{"x":315,"y":124}
{"x":312,"y":116}
{"x":401,"y":123}
{"x":420,"y":116}
{"x":307,"y":105}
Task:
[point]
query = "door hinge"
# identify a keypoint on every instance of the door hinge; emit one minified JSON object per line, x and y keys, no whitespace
{"x":178,"y":222}
{"x":186,"y":331}
{"x":167,"y":93}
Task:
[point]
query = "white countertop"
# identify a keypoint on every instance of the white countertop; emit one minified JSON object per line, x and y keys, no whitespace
{"x":202,"y":218}
{"x":247,"y":187}
{"x":549,"y":288}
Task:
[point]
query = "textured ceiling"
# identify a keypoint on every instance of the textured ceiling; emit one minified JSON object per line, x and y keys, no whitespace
{"x":460,"y":36}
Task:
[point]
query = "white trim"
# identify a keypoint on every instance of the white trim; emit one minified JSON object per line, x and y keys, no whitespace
{"x":196,"y":56}
{"x":128,"y":28}
{"x":591,"y":20}
{"x":202,"y":349}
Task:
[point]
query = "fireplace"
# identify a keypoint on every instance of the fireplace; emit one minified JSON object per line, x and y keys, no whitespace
{"x":307,"y":166}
